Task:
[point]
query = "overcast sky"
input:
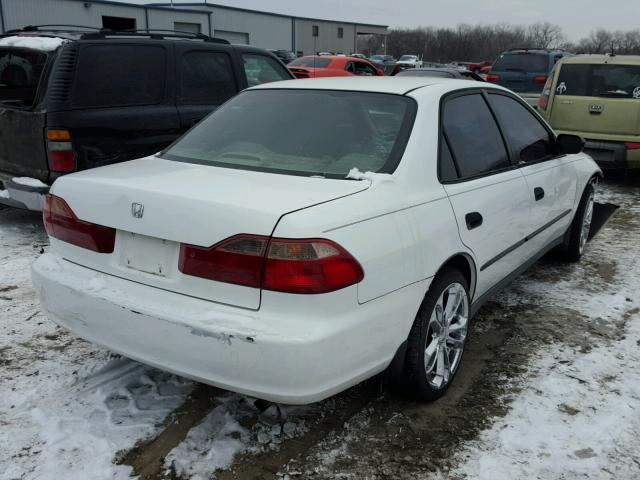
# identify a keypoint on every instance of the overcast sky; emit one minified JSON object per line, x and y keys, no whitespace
{"x":576,"y":17}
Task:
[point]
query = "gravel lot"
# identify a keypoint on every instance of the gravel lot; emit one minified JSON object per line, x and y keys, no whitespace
{"x":549,"y":388}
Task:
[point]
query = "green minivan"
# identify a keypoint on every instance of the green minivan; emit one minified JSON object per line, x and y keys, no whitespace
{"x":598,"y":98}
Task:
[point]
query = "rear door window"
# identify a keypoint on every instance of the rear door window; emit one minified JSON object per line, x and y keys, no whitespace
{"x":20,"y":72}
{"x":473,"y":135}
{"x":605,"y":80}
{"x":262,"y":69}
{"x":522,"y":62}
{"x":206,"y":77}
{"x":529,"y":140}
{"x":120,"y":75}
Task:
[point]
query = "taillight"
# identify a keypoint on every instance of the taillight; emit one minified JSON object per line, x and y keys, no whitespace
{"x":60,"y":222}
{"x":540,"y":79}
{"x":543,"y":103}
{"x":284,"y":265}
{"x":632,"y":145}
{"x":62,"y":157}
{"x":493,"y":78}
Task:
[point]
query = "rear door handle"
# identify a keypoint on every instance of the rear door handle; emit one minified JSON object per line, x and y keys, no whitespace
{"x":538,"y":193}
{"x":473,"y":219}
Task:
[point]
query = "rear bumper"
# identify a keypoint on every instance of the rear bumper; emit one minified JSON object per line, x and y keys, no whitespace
{"x":287,"y":355}
{"x":21,"y":196}
{"x":612,"y":155}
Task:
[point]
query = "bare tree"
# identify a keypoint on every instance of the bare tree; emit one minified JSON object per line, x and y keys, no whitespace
{"x":545,"y":35}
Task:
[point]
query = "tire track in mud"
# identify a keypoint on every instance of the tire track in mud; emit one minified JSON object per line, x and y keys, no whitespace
{"x":147,"y":456}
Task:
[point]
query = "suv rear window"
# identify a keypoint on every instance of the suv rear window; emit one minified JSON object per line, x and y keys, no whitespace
{"x":310,"y":62}
{"x":20,"y":72}
{"x":522,"y":62}
{"x":606,"y":80}
{"x":120,"y":75}
{"x":302,"y":132}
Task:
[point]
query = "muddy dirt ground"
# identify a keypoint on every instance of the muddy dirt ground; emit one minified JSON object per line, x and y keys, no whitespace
{"x":371,"y":431}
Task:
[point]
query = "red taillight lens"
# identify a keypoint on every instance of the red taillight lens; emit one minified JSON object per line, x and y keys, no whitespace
{"x":632,"y":145}
{"x":235,"y":260}
{"x":493,"y":78}
{"x":540,"y":79}
{"x":62,"y":157}
{"x":309,"y":266}
{"x":289,"y":265}
{"x":61,"y":223}
{"x":543,"y":103}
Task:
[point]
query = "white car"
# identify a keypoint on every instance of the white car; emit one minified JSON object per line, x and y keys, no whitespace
{"x":409,"y":61}
{"x":255,"y":255}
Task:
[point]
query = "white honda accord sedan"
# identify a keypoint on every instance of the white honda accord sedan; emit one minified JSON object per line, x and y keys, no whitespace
{"x":310,"y":234}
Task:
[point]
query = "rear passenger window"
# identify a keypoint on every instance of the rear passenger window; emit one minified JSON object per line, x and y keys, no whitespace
{"x":120,"y":75}
{"x":261,"y":69}
{"x":206,"y":78}
{"x":474,"y":138}
{"x":527,"y":137}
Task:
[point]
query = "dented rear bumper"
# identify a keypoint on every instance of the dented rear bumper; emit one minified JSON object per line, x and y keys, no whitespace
{"x":283,"y":356}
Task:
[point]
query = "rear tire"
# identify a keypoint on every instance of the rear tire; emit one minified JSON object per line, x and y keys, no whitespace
{"x":438,"y":337}
{"x":581,"y":226}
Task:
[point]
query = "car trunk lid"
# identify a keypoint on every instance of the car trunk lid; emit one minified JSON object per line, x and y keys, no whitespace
{"x":158,"y":204}
{"x":597,"y":98}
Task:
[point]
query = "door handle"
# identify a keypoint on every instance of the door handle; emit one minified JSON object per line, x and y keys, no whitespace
{"x":473,"y":219}
{"x":538,"y":193}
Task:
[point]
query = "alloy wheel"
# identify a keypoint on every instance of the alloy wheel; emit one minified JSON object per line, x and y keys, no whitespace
{"x":446,"y":335}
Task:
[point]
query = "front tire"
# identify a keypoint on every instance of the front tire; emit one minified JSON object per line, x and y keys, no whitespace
{"x":581,"y":225}
{"x":438,"y":337}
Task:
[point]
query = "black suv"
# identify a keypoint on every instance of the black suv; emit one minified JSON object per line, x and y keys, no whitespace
{"x":73,"y":100}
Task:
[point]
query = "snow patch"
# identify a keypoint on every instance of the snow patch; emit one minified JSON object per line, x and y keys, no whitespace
{"x":45,"y":44}
{"x":29,"y":182}
{"x":4,"y":194}
{"x":374,"y":178}
{"x":210,"y":446}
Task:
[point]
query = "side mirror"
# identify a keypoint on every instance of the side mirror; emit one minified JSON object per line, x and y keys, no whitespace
{"x":380,"y":72}
{"x":568,"y":144}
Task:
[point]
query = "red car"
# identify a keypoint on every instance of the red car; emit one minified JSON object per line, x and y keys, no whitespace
{"x":332,"y":66}
{"x":480,"y":66}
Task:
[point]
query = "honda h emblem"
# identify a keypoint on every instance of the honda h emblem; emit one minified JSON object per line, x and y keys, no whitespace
{"x":137,"y":210}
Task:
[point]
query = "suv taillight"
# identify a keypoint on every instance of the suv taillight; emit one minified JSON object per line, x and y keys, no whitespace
{"x":543,"y":103}
{"x":62,"y":157}
{"x":305,"y":266}
{"x":60,"y":222}
{"x":493,"y":78}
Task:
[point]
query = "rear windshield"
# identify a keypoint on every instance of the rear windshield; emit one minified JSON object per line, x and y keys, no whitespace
{"x":302,"y":132}
{"x":313,"y":62}
{"x":20,"y":72}
{"x":621,"y":81}
{"x":522,"y":62}
{"x":407,"y":57}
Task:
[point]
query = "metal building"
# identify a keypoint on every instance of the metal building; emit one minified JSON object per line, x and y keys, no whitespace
{"x":238,"y":25}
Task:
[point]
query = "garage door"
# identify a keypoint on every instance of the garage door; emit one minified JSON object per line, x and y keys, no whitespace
{"x":233,"y":37}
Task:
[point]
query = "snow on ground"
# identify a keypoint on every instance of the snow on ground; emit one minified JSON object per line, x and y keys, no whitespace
{"x":66,"y":406}
{"x":577,"y":415}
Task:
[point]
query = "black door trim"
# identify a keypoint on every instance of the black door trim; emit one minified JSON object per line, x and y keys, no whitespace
{"x":524,"y":240}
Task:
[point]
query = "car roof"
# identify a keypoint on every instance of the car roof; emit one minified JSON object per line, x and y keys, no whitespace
{"x":600,"y":59}
{"x":393,"y":85}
